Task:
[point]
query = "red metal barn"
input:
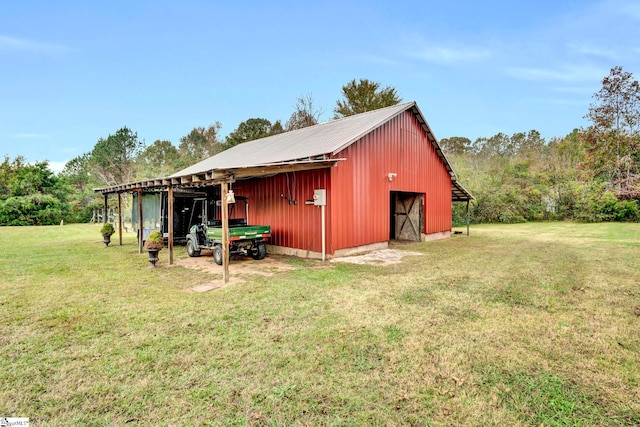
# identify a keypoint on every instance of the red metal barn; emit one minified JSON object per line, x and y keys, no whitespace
{"x":376,"y":176}
{"x":390,"y":181}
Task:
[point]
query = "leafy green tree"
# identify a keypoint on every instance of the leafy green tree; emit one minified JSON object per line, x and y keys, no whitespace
{"x":199,"y":144}
{"x":276,"y":128}
{"x":305,"y":114}
{"x":79,"y":175}
{"x":8,"y":171}
{"x":158,"y":159}
{"x":36,"y":179}
{"x":363,"y":96}
{"x":455,"y":145}
{"x":250,"y":130}
{"x":500,"y":145}
{"x":34,"y":195}
{"x":77,"y":172}
{"x":612,"y":141}
{"x":34,"y":209}
{"x":113,"y":158}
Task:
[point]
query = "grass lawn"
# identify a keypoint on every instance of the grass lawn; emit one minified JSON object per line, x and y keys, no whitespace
{"x":530,"y":324}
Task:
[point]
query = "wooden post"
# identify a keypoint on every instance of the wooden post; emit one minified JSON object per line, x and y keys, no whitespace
{"x":324,"y":234}
{"x":120,"y":217}
{"x":140,"y":223}
{"x":106,"y":208}
{"x":225,"y":231}
{"x":170,"y":225}
{"x":467,"y":217}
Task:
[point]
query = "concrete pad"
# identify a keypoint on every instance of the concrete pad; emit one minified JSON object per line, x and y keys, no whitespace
{"x":381,"y":257}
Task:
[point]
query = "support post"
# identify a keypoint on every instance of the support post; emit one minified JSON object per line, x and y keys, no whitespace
{"x":170,"y":219}
{"x":467,"y":217}
{"x":140,"y":222}
{"x":324,"y":234}
{"x":106,"y":208}
{"x":120,"y":218}
{"x":225,"y":230}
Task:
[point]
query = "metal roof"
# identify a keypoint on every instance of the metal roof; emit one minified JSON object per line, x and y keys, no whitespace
{"x":459,"y":193}
{"x":308,"y":148}
{"x":315,"y":142}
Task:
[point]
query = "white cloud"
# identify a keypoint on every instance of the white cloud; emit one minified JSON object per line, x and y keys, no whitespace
{"x":584,"y":49}
{"x":57,"y":167}
{"x":18,"y":44}
{"x":570,"y":73}
{"x":449,"y":55}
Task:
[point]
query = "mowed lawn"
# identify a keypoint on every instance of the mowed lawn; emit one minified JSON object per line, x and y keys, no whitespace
{"x":531,"y":324}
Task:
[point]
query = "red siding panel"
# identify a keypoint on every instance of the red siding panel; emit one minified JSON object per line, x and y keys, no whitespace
{"x":292,"y":225}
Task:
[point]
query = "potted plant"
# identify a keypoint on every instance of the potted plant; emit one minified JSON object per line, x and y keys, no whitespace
{"x":107,"y":230}
{"x":153,"y":244}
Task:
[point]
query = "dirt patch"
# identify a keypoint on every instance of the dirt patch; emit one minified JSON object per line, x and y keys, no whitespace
{"x":381,"y":257}
{"x":239,"y":269}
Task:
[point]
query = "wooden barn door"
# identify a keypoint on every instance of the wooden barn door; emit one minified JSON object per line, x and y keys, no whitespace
{"x":408,"y":215}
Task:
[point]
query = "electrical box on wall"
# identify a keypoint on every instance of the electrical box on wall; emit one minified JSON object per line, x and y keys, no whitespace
{"x":320,"y":197}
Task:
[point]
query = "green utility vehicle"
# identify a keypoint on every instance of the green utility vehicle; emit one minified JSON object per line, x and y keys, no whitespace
{"x":244,"y":239}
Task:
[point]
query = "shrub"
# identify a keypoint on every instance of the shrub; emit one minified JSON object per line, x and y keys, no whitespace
{"x":107,"y":229}
{"x":35,"y":209}
{"x":154,"y":241}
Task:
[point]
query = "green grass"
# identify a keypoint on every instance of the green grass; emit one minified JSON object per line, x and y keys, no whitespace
{"x":528,"y":324}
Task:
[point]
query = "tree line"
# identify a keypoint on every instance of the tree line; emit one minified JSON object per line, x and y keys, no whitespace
{"x":34,"y":195}
{"x":591,"y":174}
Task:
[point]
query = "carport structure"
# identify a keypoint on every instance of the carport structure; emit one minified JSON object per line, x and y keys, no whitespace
{"x":222,"y":177}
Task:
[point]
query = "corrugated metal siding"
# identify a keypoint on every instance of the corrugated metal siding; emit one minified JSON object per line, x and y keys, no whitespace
{"x":360,"y":199}
{"x":293,"y":226}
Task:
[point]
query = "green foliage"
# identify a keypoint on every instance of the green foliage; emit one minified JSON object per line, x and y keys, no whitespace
{"x":365,"y":95}
{"x":612,"y":142}
{"x":159,"y":159}
{"x":520,"y":178}
{"x":455,"y":145}
{"x":107,"y":229}
{"x":155,"y":236}
{"x":155,"y":240}
{"x":34,"y":209}
{"x":199,"y":144}
{"x":113,"y":158}
{"x":249,"y":130}
{"x":31,"y":194}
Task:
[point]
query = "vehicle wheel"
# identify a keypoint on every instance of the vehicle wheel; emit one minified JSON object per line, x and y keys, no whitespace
{"x":217,"y":254}
{"x":191,"y":249}
{"x":259,"y":251}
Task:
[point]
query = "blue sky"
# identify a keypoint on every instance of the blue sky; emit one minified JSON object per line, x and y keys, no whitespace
{"x":75,"y":71}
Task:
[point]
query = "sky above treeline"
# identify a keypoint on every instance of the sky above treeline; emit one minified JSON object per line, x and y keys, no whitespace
{"x":76,"y":71}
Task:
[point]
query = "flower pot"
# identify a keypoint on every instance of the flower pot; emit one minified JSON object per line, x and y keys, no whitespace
{"x":153,"y":257}
{"x":106,"y":238}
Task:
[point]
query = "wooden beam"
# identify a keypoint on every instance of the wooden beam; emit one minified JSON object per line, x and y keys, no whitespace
{"x":467,"y":217}
{"x":170,"y":220}
{"x":106,"y":210}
